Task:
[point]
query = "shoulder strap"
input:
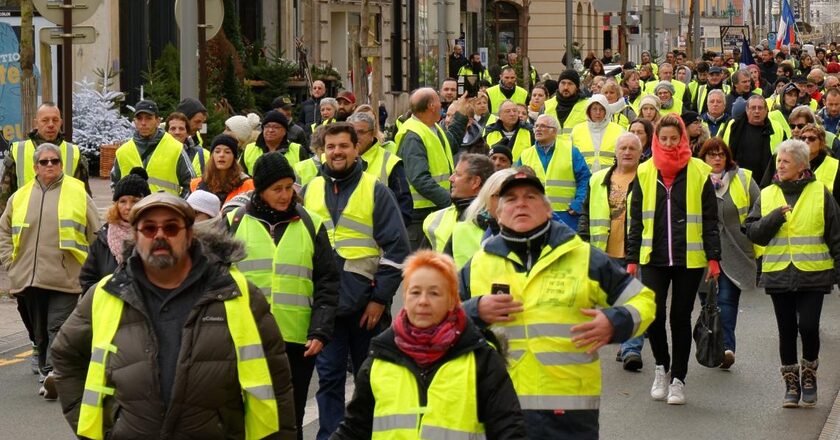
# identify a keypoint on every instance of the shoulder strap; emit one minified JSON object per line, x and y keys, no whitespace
{"x":307,"y":221}
{"x":238,"y":215}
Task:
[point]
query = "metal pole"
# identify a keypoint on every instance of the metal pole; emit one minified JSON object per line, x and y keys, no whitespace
{"x":396,"y":47}
{"x":695,"y":49}
{"x":413,"y":59}
{"x":202,"y":51}
{"x":441,"y":30}
{"x":569,"y":55}
{"x":652,"y":29}
{"x":67,"y":70}
{"x":189,"y":46}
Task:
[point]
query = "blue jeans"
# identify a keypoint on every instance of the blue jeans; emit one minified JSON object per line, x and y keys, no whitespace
{"x":348,"y":340}
{"x":632,"y":345}
{"x":728,"y":297}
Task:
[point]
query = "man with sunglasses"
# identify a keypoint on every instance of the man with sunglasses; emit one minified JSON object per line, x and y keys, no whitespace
{"x":44,"y":235}
{"x":189,"y":345}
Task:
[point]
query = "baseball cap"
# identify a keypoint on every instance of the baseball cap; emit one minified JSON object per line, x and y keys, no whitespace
{"x":162,"y":199}
{"x":282,"y":102}
{"x":521,"y":178}
{"x":146,"y":106}
{"x":715,"y":69}
{"x":347,"y":96}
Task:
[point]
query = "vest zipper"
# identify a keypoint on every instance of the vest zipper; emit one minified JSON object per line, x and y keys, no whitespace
{"x":670,"y":235}
{"x":38,"y":235}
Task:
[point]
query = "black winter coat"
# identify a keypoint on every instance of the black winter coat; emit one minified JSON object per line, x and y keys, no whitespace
{"x":100,"y":261}
{"x":498,"y":405}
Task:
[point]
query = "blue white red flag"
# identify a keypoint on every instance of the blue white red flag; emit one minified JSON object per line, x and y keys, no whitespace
{"x":787,"y":26}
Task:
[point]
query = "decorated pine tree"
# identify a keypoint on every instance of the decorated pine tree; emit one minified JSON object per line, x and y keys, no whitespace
{"x":96,"y":118}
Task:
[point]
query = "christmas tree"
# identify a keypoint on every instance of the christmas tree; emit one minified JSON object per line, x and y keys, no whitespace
{"x":96,"y":118}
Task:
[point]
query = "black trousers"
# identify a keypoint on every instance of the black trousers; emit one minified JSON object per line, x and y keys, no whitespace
{"x":570,"y":425}
{"x":47,"y":311}
{"x":302,"y":368}
{"x":24,"y":316}
{"x":798,"y":313}
{"x":683,"y":283}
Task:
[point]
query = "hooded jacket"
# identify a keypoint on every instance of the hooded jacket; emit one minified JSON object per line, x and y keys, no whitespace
{"x":204,"y":399}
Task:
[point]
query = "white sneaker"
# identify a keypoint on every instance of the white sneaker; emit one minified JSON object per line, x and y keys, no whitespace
{"x":659,"y":389}
{"x":676,"y":393}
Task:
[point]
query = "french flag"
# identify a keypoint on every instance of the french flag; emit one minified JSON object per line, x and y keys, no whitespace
{"x":786,"y":32}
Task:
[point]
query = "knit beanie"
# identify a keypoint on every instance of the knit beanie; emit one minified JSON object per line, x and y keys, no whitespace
{"x":277,"y":117}
{"x":205,"y":202}
{"x":570,"y":75}
{"x":739,"y":107}
{"x":227,"y":141}
{"x":665,"y":85}
{"x":690,"y":117}
{"x":500,"y":148}
{"x":270,"y":168}
{"x":134,"y":184}
{"x":190,"y":107}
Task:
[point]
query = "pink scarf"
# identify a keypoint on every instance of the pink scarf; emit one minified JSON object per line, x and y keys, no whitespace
{"x":117,"y":234}
{"x":427,"y":345}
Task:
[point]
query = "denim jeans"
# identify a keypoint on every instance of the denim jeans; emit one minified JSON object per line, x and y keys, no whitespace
{"x":729,"y":295}
{"x":632,"y":345}
{"x":348,"y":340}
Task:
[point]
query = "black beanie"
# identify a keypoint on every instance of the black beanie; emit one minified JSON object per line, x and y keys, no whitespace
{"x":227,"y":141}
{"x":134,"y":184}
{"x":275,"y":116}
{"x":190,"y":106}
{"x":500,"y":148}
{"x":270,"y":168}
{"x":570,"y":75}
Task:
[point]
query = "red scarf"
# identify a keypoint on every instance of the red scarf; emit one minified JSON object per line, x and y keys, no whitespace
{"x":670,"y":162}
{"x":427,"y":345}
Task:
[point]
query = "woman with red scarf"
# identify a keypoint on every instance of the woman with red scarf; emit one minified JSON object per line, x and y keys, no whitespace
{"x":432,"y":373}
{"x":673,"y":237}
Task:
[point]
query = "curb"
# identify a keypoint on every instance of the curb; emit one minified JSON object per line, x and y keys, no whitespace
{"x":831,"y":429}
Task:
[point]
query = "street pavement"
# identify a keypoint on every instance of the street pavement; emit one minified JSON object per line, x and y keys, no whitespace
{"x":743,"y":403}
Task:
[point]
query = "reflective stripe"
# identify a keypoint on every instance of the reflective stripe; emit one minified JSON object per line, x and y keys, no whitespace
{"x":648,"y":215}
{"x":163,"y":184}
{"x":743,"y":211}
{"x":632,"y":289}
{"x":394,"y":421}
{"x":637,"y":317}
{"x":263,"y":392}
{"x":256,"y":264}
{"x":266,"y":291}
{"x":329,"y":224}
{"x":438,"y":433}
{"x":550,"y":330}
{"x":289,"y":299}
{"x":594,"y":222}
{"x":356,"y":242}
{"x":565,"y":358}
{"x":91,"y":397}
{"x":516,"y":354}
{"x":20,"y":162}
{"x":598,"y":238}
{"x":694,"y":218}
{"x":16,"y":229}
{"x":68,"y":161}
{"x":356,"y":226}
{"x":72,"y":224}
{"x":441,"y":178}
{"x":565,"y":131}
{"x":66,"y":244}
{"x":783,"y":241}
{"x":559,"y":402}
{"x":293,"y":270}
{"x":248,"y":352}
{"x":777,"y":258}
{"x":564,"y":183}
{"x":98,"y":355}
{"x":600,"y":153}
{"x":434,"y":225}
{"x":383,"y":172}
{"x":560,"y":199}
{"x":694,"y":246}
{"x":647,"y":242}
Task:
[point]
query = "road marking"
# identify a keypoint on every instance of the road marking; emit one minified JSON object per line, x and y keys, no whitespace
{"x":4,"y":362}
{"x":24,"y":355}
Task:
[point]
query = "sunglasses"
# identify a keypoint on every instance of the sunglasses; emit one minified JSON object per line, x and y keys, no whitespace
{"x":170,"y":229}
{"x":808,"y":138}
{"x":46,"y":162}
{"x":799,"y":126}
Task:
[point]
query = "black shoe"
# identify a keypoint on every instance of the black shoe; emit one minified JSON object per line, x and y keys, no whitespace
{"x":633,"y":362}
{"x":793,"y":391}
{"x":618,"y":355}
{"x":809,"y":383}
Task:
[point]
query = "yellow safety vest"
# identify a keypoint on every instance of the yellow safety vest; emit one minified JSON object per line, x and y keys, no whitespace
{"x":72,"y":217}
{"x":467,"y":70}
{"x":260,"y":403}
{"x":559,"y":178}
{"x":314,"y":125}
{"x":599,"y":210}
{"x":308,"y":169}
{"x":675,"y":108}
{"x":199,"y":161}
{"x":438,"y":227}
{"x":778,"y":118}
{"x":800,"y":240}
{"x":522,"y":140}
{"x":605,"y":157}
{"x":24,"y":156}
{"x":466,"y":241}
{"x":439,"y":153}
{"x":282,"y":272}
{"x":451,"y":410}
{"x":698,"y":173}
{"x":548,"y":371}
{"x":380,"y":162}
{"x":827,"y":172}
{"x":352,"y":236}
{"x":496,"y":97}
{"x":162,"y":165}
{"x":577,"y":116}
{"x":775,"y":138}
{"x":739,"y":190}
{"x":253,"y":152}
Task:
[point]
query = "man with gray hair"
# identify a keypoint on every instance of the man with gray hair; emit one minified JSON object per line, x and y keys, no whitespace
{"x":742,"y":87}
{"x":715,"y":116}
{"x":44,"y":235}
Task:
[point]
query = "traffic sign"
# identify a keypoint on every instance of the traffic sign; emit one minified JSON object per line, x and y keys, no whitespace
{"x":53,"y":10}
{"x":733,"y":36}
{"x":80,"y":35}
{"x":771,"y":40}
{"x":213,"y":16}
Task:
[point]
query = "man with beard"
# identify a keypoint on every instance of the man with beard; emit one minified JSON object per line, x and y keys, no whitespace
{"x":506,"y":89}
{"x":700,"y":79}
{"x":190,"y":347}
{"x":474,"y":67}
{"x":346,"y":105}
{"x":568,"y":106}
{"x":767,"y":65}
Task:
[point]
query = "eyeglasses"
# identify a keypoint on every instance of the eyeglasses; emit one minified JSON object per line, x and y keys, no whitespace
{"x":272,"y":127}
{"x":150,"y":230}
{"x":544,"y":126}
{"x":799,"y":126}
{"x":46,"y":162}
{"x":719,"y":154}
{"x":808,"y":138}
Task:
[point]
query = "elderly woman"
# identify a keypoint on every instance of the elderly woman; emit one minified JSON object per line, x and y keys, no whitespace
{"x":328,"y":107}
{"x":224,"y":176}
{"x":435,"y":358}
{"x":649,"y":109}
{"x":799,"y":223}
{"x":821,"y":163}
{"x":665,"y":92}
{"x":106,"y":252}
{"x":736,"y":192}
{"x":622,"y":113}
{"x":673,"y":237}
{"x":643,"y":129}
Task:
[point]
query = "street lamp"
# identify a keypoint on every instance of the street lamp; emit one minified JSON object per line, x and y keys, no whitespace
{"x":730,"y":11}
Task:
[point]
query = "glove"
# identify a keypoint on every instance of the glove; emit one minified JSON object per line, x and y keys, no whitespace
{"x":632,"y":268}
{"x":714,"y":270}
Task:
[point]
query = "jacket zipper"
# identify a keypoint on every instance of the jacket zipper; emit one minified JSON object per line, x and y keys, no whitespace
{"x":670,"y":235}
{"x":38,"y":235}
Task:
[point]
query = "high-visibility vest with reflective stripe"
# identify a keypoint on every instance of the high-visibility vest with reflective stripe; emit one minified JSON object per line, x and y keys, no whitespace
{"x":380,"y":162}
{"x":24,"y":155}
{"x":576,"y":116}
{"x":438,"y":227}
{"x":282,"y":272}
{"x":308,"y":169}
{"x":496,"y":97}
{"x":739,"y":190}
{"x":775,"y":138}
{"x":698,"y":173}
{"x":679,"y":90}
{"x":439,"y":155}
{"x":314,"y":125}
{"x":162,"y":166}
{"x":548,"y":371}
{"x":778,"y":117}
{"x":451,"y":410}
{"x":599,"y":210}
{"x":259,"y":401}
{"x":72,"y":217}
{"x":466,"y":241}
{"x":827,"y":172}
{"x":352,"y":236}
{"x":253,"y":152}
{"x":800,"y":240}
{"x":605,"y":157}
{"x":520,"y":144}
{"x":559,"y":179}
{"x":702,"y":92}
{"x":199,"y":161}
{"x":483,"y":75}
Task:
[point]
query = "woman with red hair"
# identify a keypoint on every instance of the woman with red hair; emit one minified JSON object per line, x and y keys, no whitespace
{"x":432,"y":373}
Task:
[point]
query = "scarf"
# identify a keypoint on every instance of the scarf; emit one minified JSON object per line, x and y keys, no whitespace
{"x":671,"y":162}
{"x":427,"y":345}
{"x":721,"y":182}
{"x":565,"y":105}
{"x":118,"y":233}
{"x":269,"y":214}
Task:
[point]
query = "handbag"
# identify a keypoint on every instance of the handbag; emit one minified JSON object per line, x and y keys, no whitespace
{"x":708,"y":332}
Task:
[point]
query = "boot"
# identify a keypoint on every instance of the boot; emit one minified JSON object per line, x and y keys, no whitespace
{"x":790,"y":375}
{"x":809,"y":382}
